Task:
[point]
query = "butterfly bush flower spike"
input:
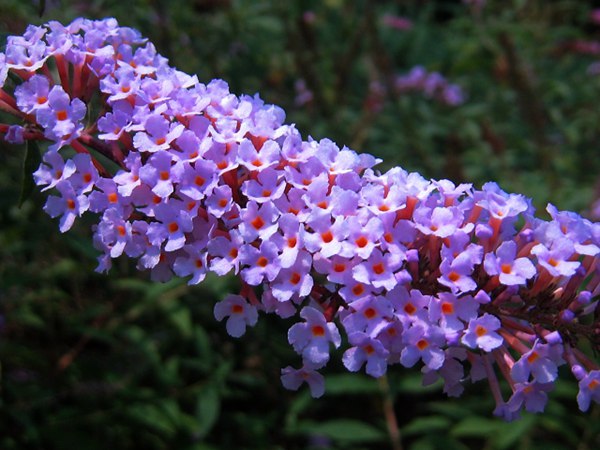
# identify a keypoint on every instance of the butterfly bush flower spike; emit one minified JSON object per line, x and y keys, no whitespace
{"x":460,"y":282}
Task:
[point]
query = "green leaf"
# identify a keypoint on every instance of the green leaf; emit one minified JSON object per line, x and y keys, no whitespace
{"x":426,"y":425}
{"x":181,"y":318}
{"x":350,"y":383}
{"x":343,"y":431}
{"x":511,"y":433}
{"x":31,"y":162}
{"x":208,"y":407}
{"x":476,"y":427}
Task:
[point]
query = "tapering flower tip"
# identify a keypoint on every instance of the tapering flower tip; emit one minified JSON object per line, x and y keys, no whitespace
{"x":239,"y":313}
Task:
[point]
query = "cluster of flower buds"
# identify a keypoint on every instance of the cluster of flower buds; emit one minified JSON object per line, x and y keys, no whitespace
{"x":466,"y":283}
{"x":432,"y":84}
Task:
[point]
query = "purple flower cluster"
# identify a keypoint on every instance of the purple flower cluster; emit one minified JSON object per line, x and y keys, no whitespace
{"x":432,"y":84}
{"x":465,"y":283}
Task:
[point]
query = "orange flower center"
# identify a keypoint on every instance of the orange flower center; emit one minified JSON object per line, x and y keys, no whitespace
{"x":318,"y":331}
{"x":361,"y":242}
{"x":262,"y":261}
{"x":258,"y":223}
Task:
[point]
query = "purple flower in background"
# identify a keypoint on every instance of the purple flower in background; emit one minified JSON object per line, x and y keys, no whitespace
{"x":397,"y":22}
{"x":239,"y":312}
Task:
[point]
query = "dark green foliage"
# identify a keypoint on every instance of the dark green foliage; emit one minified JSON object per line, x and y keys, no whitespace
{"x":94,"y":361}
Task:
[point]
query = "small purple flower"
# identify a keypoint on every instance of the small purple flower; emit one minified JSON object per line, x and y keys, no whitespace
{"x":266,"y":187}
{"x":532,"y":395}
{"x":452,"y":311}
{"x":106,"y":196}
{"x":312,"y":338}
{"x":171,"y":226}
{"x":32,"y":95}
{"x":240,"y":314}
{"x":362,"y":237}
{"x":160,"y":174}
{"x":129,"y":179}
{"x":366,"y":349}
{"x":481,"y":333}
{"x":410,"y":306}
{"x":220,"y":201}
{"x":86,"y":174}
{"x":262,"y":263}
{"x":440,"y":222}
{"x":368,"y":315}
{"x":292,"y":379}
{"x":113,"y":124}
{"x":61,"y":120}
{"x":53,"y":170}
{"x":257,"y":160}
{"x":452,"y":372}
{"x":158,"y":134}
{"x":541,"y":361}
{"x":589,"y":389}
{"x":113,"y":233}
{"x":556,"y":258}
{"x":326,"y":238}
{"x":379,"y":270}
{"x":224,"y":253}
{"x":512,"y":271}
{"x":423,"y":341}
{"x":198,"y":181}
{"x":194,"y":263}
{"x":258,"y":221}
{"x":295,"y":279}
{"x":69,"y":205}
{"x":456,"y":273}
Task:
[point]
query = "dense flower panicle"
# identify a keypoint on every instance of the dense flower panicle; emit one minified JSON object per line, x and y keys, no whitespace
{"x":464,"y":282}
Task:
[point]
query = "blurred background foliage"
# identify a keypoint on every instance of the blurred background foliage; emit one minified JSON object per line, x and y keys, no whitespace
{"x":91,"y":361}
